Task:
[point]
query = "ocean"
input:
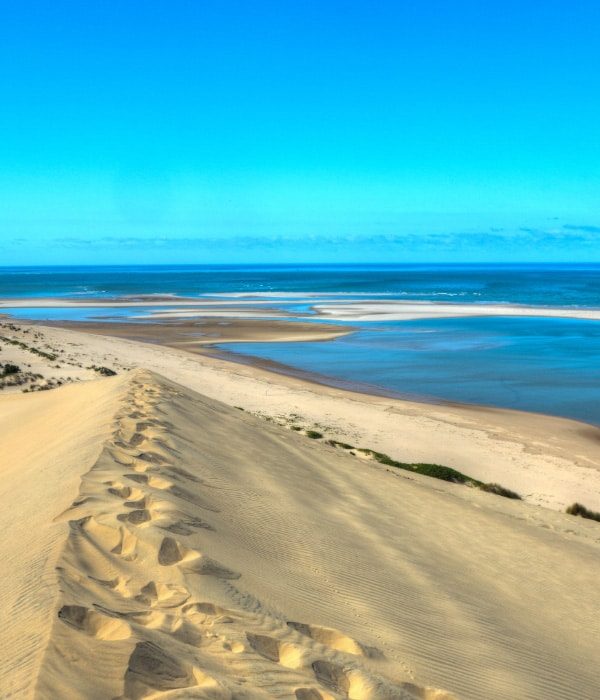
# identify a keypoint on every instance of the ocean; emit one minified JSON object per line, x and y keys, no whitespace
{"x":549,"y":365}
{"x":551,"y":285}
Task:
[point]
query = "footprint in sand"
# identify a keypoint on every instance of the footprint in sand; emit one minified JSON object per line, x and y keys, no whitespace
{"x":155,"y":482}
{"x":150,"y":668}
{"x":116,"y":488}
{"x":94,"y":624}
{"x":162,"y":595}
{"x":126,"y":546}
{"x":152,"y":423}
{"x":152,"y":457}
{"x":110,"y":539}
{"x":284,"y":653}
{"x":141,"y":502}
{"x":135,"y":517}
{"x":117,"y":584}
{"x":120,"y":491}
{"x":121,"y":457}
{"x":136,"y":439}
{"x":348,"y":681}
{"x":142,"y":467}
{"x":356,"y":684}
{"x":335,"y":640}
{"x":172,"y":552}
{"x":208,"y":613}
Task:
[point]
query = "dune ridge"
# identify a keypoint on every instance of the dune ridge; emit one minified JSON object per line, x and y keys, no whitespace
{"x":197,"y":551}
{"x":140,"y":608}
{"x":46,"y":442}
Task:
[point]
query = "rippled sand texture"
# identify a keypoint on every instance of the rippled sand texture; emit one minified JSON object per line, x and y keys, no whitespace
{"x":207,"y":554}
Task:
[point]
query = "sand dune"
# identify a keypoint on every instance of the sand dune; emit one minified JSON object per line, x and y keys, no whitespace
{"x":205,"y":553}
{"x":47,"y":440}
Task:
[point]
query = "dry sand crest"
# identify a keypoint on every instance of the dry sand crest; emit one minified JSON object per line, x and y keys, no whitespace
{"x":208,"y":554}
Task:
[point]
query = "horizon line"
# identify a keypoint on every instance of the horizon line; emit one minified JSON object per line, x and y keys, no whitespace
{"x":521,"y":263}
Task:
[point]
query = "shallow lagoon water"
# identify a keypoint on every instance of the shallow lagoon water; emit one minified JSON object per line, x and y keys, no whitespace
{"x":531,"y":364}
{"x":550,"y":365}
{"x":68,"y":313}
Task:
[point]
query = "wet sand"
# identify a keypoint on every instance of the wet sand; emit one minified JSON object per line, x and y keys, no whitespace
{"x":192,"y":335}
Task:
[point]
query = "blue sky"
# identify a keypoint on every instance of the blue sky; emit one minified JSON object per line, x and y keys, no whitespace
{"x":205,"y":131}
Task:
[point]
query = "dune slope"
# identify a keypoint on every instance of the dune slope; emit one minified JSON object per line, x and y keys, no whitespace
{"x":46,"y":441}
{"x":208,"y":554}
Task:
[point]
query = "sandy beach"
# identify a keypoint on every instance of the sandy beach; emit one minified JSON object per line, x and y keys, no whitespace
{"x":549,"y":461}
{"x":194,"y":549}
{"x":196,"y":334}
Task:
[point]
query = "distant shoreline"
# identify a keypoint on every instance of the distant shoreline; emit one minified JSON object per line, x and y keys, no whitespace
{"x":532,"y":453}
{"x":207,"y":336}
{"x":323,"y":307}
{"x":169,"y":335}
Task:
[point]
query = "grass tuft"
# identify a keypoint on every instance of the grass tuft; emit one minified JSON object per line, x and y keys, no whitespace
{"x":9,"y":369}
{"x":439,"y":471}
{"x":500,"y":491}
{"x":578,"y":509}
{"x":343,"y":445}
{"x":104,"y":371}
{"x":24,"y":346}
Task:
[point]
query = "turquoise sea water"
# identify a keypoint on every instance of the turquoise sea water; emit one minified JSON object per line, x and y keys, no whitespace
{"x":538,"y":364}
{"x":552,"y":285}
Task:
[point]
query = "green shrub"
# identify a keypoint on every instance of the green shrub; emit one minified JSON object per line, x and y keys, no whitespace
{"x":578,"y":509}
{"x":383,"y":458}
{"x":438,"y":471}
{"x":9,"y":369}
{"x":23,"y":346}
{"x":343,"y":445}
{"x":500,"y":491}
{"x":105,"y":371}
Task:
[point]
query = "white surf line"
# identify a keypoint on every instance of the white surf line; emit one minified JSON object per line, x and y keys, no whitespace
{"x":336,"y":306}
{"x":55,"y":303}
